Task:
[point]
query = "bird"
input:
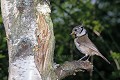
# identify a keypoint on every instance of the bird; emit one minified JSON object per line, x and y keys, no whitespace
{"x":84,"y":44}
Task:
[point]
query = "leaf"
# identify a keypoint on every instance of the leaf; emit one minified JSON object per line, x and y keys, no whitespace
{"x":115,"y":55}
{"x":2,"y":56}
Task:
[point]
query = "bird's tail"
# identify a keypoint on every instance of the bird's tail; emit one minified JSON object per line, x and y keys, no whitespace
{"x":104,"y":58}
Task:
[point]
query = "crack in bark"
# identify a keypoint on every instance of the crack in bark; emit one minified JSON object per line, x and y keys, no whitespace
{"x":43,"y":36}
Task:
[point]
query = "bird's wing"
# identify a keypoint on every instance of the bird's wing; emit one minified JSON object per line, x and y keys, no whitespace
{"x":90,"y":45}
{"x":93,"y":47}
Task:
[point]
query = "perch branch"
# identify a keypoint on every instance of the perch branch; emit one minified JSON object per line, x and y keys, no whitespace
{"x":69,"y":68}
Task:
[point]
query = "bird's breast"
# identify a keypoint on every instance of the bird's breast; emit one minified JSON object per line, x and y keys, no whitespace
{"x":83,"y":49}
{"x":78,"y":46}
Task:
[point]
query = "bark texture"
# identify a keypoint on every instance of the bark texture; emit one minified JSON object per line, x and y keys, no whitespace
{"x":30,"y":38}
{"x":70,"y":68}
{"x":20,"y":24}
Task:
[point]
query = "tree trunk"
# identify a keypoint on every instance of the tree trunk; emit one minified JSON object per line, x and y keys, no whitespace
{"x":30,"y":39}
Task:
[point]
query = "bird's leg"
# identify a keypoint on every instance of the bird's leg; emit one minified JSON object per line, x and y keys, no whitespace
{"x":88,"y":58}
{"x":83,"y":57}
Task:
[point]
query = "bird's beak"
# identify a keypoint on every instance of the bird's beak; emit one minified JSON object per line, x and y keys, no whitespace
{"x":72,"y":33}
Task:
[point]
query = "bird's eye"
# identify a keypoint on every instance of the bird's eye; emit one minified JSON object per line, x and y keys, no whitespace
{"x":82,"y":27}
{"x":75,"y":29}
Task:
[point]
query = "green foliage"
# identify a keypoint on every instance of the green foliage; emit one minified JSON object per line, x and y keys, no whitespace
{"x":98,"y":27}
{"x":0,"y":19}
{"x":3,"y":54}
{"x":116,"y":55}
{"x":116,"y":74}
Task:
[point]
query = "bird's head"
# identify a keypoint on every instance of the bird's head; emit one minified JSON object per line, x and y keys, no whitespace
{"x":79,"y":31}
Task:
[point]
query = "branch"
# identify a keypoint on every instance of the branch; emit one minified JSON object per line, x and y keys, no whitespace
{"x":69,"y":68}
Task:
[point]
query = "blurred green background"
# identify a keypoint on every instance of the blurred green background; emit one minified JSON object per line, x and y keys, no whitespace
{"x":102,"y":20}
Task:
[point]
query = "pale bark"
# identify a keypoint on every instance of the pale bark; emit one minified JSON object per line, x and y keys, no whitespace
{"x":20,"y":23}
{"x":30,"y":38}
